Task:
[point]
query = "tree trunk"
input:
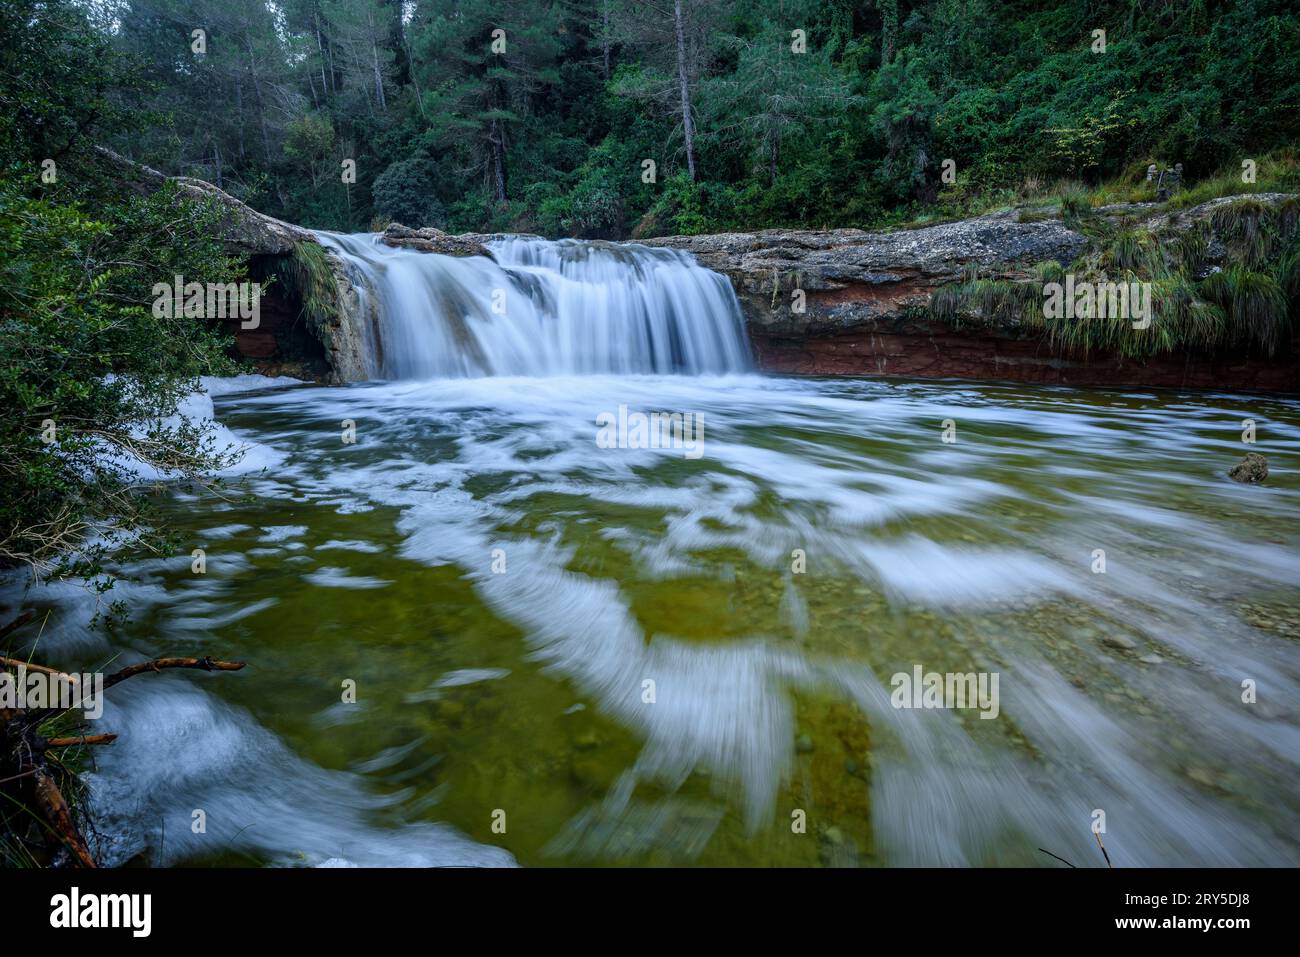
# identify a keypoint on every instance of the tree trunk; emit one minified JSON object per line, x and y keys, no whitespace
{"x":320,"y":50}
{"x":499,"y":161}
{"x":688,"y":125}
{"x":239,"y":112}
{"x":329,"y":58}
{"x":415,"y":81}
{"x":379,"y":79}
{"x":257,"y":100}
{"x":889,"y":29}
{"x":604,"y":38}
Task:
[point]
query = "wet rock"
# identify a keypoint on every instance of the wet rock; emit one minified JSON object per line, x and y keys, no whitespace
{"x":1251,"y":470}
{"x":430,"y":240}
{"x":1119,"y":642}
{"x":1151,"y":659}
{"x":804,"y":744}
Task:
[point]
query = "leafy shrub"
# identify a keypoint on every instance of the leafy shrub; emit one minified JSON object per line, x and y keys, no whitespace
{"x":88,"y":364}
{"x":405,"y":193}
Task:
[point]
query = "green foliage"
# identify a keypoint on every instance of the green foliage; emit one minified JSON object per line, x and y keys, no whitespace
{"x":62,"y":85}
{"x":549,"y":133}
{"x":405,"y":193}
{"x":1254,"y":302}
{"x":91,"y":376}
{"x":89,"y":365}
{"x":1249,"y":303}
{"x":307,"y":278}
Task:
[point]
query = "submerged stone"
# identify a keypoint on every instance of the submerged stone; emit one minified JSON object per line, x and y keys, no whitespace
{"x":1251,"y":470}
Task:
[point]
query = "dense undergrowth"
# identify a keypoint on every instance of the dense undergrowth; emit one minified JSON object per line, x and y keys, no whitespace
{"x":1228,"y":281}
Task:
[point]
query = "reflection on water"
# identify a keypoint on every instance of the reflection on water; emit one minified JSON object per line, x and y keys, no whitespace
{"x":627,"y":656}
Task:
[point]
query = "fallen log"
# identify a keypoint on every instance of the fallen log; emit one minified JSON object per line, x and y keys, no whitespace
{"x":58,"y":818}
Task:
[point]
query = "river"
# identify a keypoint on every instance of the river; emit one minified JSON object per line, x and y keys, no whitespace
{"x":480,"y":632}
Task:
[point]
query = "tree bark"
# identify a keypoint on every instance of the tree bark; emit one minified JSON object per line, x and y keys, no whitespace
{"x":320,"y":50}
{"x":604,"y":38}
{"x":497,"y":138}
{"x":688,"y":125}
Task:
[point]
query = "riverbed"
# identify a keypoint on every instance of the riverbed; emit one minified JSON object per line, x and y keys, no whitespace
{"x":477,"y":635}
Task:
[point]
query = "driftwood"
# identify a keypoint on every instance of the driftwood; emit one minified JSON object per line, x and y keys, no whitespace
{"x":25,"y":769}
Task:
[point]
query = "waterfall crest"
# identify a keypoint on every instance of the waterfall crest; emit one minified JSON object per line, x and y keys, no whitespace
{"x":543,"y":308}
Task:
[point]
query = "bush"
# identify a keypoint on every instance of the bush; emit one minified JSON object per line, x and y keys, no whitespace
{"x":89,"y":372}
{"x":405,"y":193}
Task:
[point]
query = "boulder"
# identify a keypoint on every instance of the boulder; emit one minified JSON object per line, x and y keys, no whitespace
{"x":1251,"y":470}
{"x":430,"y":240}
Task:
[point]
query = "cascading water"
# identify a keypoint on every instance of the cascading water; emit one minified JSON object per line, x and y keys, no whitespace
{"x":540,"y":307}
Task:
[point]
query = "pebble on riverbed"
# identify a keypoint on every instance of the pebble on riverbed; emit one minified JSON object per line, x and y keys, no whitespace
{"x":1251,"y":470}
{"x":1119,"y":642}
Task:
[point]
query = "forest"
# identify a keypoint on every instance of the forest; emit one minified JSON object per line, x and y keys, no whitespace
{"x":618,"y":118}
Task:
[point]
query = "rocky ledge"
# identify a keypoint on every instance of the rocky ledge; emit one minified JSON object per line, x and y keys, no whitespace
{"x":430,"y":240}
{"x":799,"y":283}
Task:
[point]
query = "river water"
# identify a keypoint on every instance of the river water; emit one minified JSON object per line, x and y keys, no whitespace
{"x":565,"y":652}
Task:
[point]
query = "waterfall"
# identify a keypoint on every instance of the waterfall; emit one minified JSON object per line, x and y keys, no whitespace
{"x":542,"y":308}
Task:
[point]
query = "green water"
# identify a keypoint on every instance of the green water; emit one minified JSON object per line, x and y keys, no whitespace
{"x":1119,"y":690}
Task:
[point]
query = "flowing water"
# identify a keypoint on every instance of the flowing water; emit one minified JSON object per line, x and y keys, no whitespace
{"x":544,"y":308}
{"x":631,"y":655}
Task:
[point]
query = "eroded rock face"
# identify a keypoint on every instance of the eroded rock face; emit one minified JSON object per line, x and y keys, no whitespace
{"x":347,"y":332}
{"x":430,"y":240}
{"x":930,"y":349}
{"x":850,"y":277}
{"x":351,"y":331}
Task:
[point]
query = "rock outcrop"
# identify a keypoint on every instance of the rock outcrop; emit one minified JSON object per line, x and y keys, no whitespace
{"x":350,"y":327}
{"x":244,"y":229}
{"x":341,"y":334}
{"x":430,"y":240}
{"x":865,"y":297}
{"x":846,"y":278}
